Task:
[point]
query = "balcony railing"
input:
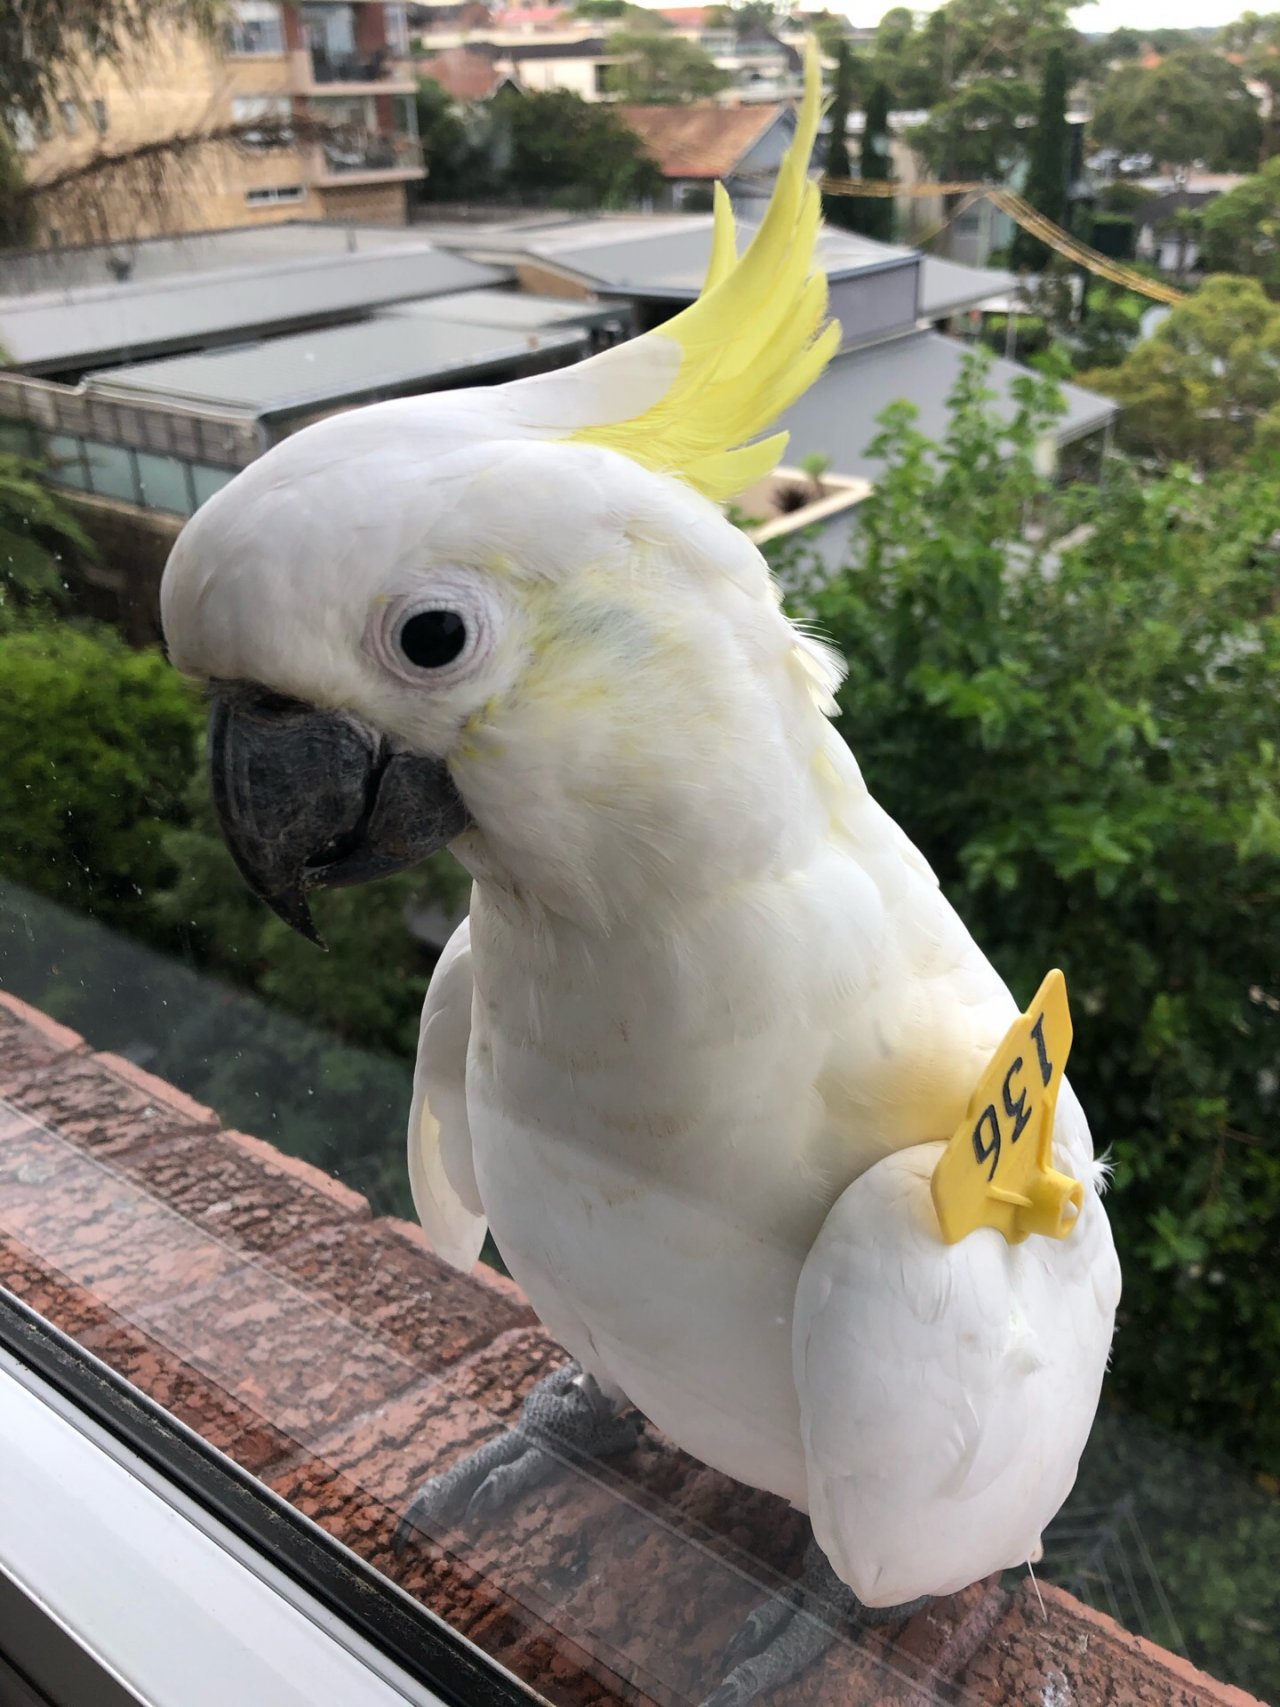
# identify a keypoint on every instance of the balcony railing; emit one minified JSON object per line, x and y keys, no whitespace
{"x":327,"y":67}
{"x":363,"y":151}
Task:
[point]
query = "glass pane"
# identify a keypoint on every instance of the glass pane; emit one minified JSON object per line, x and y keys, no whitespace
{"x":716,"y":1000}
{"x":164,"y":483}
{"x":111,"y":471}
{"x":66,"y":461}
{"x":207,"y":480}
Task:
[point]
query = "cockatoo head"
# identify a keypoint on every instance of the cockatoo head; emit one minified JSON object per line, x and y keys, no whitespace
{"x":514,"y":619}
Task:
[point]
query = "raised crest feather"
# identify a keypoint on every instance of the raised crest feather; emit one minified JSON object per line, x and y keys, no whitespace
{"x":756,"y":338}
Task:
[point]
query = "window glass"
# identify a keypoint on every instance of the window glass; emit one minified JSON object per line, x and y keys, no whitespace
{"x":111,"y":471}
{"x":164,"y":482}
{"x":729,"y":994}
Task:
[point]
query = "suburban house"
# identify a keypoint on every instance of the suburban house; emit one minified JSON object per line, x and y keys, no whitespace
{"x":696,"y":145}
{"x":341,"y":64}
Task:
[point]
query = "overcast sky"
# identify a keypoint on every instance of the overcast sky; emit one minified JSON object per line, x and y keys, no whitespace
{"x":1104,"y":15}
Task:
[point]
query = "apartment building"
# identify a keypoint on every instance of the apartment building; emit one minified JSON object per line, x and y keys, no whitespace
{"x":342,"y":64}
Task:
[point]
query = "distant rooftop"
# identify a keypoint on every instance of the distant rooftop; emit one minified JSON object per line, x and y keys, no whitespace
{"x":389,"y":355}
{"x":702,"y":141}
{"x":66,"y":309}
{"x":644,"y":254}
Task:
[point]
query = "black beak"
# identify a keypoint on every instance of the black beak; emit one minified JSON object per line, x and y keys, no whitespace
{"x":312,"y":799}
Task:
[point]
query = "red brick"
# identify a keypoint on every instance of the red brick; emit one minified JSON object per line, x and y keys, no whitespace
{"x":306,"y":1174}
{"x":300,"y":1366}
{"x":235,"y":1193}
{"x":187,"y":1110}
{"x":1081,"y":1656}
{"x":399,"y":1292}
{"x":58,"y":1039}
{"x":490,"y":1277}
{"x":50,"y":1293}
{"x":92,"y":1106}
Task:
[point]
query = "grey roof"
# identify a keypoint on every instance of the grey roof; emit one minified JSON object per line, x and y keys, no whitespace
{"x":837,"y":417}
{"x":647,"y":254}
{"x":384,"y":356}
{"x":195,"y":290}
{"x":946,"y":287}
{"x":518,"y":310}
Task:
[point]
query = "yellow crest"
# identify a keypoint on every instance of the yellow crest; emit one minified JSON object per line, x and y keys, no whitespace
{"x":752,"y":343}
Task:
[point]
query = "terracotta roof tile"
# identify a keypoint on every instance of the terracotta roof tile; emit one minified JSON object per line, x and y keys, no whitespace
{"x":336,"y":1357}
{"x":699,"y":141}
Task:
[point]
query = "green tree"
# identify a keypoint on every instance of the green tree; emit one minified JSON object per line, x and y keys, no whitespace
{"x":99,"y":744}
{"x":1076,"y":723}
{"x":457,"y":146}
{"x":873,"y":215}
{"x":660,"y":70}
{"x":17,"y":215}
{"x":578,"y":151}
{"x":978,"y":132}
{"x":1047,"y":173}
{"x":1192,"y":105}
{"x":37,"y":533}
{"x":838,"y":209}
{"x":1205,"y":387}
{"x":1256,"y":37}
{"x":1242,"y":229}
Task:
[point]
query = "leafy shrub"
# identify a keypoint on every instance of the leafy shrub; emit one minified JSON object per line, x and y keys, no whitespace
{"x":98,"y":745}
{"x":1069,"y":702}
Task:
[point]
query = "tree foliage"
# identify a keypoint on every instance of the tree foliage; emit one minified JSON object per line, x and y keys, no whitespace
{"x":1046,"y":188}
{"x":37,"y":532}
{"x":1192,"y":105}
{"x":99,"y":744}
{"x":45,"y":49}
{"x":1241,"y":230}
{"x":1205,"y":387}
{"x":977,"y":132}
{"x":659,"y":70}
{"x":837,"y":209}
{"x":873,"y":215}
{"x":1075,"y":720}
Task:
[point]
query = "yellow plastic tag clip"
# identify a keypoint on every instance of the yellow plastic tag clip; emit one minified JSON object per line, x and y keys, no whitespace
{"x":998,"y":1171}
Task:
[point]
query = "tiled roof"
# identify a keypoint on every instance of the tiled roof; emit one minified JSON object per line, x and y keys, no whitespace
{"x":699,"y":141}
{"x":334,"y":1357}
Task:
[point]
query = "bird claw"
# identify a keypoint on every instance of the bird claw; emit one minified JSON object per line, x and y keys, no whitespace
{"x":565,"y":1416}
{"x":791,"y":1629}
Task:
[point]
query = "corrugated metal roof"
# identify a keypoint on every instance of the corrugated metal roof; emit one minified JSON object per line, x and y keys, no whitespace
{"x":388,"y":355}
{"x":276,"y":277}
{"x":837,"y":417}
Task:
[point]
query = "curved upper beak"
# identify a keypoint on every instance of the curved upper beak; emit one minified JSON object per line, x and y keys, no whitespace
{"x":309,"y":799}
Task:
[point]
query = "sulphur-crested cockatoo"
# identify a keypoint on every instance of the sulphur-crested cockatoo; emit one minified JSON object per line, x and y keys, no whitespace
{"x":698,"y":1048}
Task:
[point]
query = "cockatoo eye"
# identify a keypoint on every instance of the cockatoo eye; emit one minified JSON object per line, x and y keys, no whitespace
{"x":430,"y":639}
{"x":437,"y":633}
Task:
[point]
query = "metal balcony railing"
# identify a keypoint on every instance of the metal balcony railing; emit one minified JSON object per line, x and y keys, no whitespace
{"x":365,"y":151}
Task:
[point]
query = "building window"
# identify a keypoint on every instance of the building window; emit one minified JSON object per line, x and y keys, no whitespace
{"x":100,"y":121}
{"x":255,"y":28}
{"x":70,"y":117}
{"x":397,"y":23}
{"x":277,"y":193}
{"x":272,"y":112}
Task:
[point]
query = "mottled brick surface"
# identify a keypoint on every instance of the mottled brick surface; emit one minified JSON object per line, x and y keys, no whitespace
{"x":337,"y":1358}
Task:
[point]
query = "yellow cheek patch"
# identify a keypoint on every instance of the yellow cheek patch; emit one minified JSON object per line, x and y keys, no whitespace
{"x":998,"y":1171}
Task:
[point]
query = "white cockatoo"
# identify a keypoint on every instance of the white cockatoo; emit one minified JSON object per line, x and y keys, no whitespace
{"x":710,"y":1024}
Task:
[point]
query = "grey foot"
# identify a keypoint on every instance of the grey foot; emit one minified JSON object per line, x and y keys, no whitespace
{"x":565,"y":1418}
{"x":793,"y":1628}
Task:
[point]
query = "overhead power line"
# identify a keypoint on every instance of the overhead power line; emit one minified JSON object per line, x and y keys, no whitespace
{"x":1022,"y":213}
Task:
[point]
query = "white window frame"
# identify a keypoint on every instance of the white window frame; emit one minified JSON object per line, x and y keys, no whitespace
{"x":116,"y":1587}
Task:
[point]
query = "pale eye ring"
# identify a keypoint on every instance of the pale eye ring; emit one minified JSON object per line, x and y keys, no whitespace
{"x":434,"y":634}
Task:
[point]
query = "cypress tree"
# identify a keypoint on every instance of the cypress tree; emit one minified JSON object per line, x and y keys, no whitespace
{"x":874,"y":217}
{"x":840,"y":210}
{"x":1047,"y":170}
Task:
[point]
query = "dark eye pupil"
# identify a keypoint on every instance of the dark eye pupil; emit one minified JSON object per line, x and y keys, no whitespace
{"x":433,"y":638}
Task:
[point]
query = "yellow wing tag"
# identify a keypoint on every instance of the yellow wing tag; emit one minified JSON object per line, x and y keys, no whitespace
{"x":998,"y":1171}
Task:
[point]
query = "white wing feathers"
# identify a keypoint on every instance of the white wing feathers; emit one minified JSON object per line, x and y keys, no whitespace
{"x":441,"y":1171}
{"x":946,"y":1391}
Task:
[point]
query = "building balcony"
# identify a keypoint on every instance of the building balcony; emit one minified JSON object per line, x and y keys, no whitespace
{"x":319,"y":72}
{"x":363,"y":157}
